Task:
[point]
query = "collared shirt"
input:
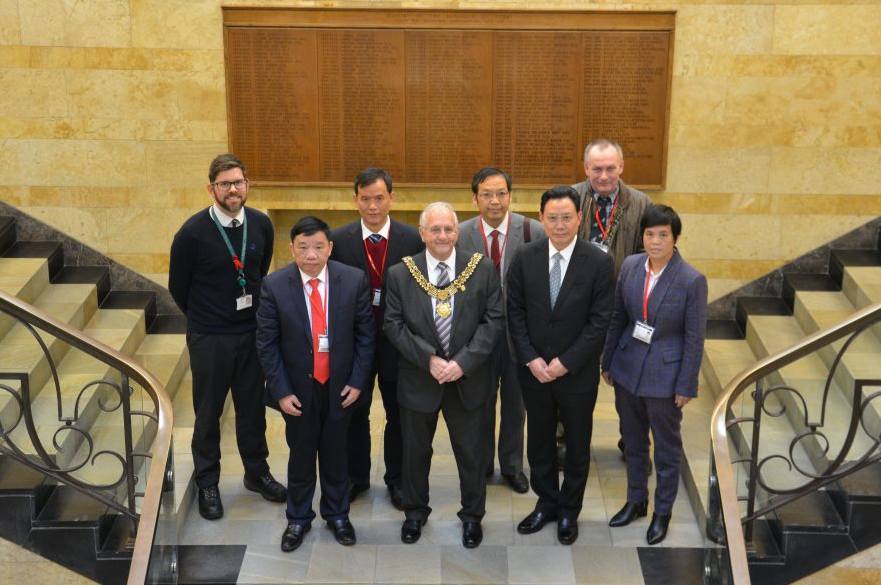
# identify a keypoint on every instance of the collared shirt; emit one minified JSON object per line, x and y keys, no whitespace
{"x":367,"y":232}
{"x":503,"y":233}
{"x":565,"y":252}
{"x":653,"y":278}
{"x":432,"y":273}
{"x":322,"y":292}
{"x":226,"y":220}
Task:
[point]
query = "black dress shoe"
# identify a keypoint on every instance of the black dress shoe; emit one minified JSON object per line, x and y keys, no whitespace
{"x":357,"y":489}
{"x":472,"y":534}
{"x":343,"y":531}
{"x":517,"y":481}
{"x":630,"y":512}
{"x":292,"y":537}
{"x":266,"y":486}
{"x":535,"y":522}
{"x":567,"y":530}
{"x":411,"y":530}
{"x":396,"y":496}
{"x":658,"y":528}
{"x":210,"y":506}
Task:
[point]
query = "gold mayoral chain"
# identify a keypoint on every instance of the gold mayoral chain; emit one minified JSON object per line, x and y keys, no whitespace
{"x":443,"y":295}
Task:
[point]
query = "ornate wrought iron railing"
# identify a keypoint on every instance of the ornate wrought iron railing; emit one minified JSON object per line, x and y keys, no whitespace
{"x":63,"y":445}
{"x":792,"y":434}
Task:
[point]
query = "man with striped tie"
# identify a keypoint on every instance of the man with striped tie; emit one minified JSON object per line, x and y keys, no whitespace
{"x":444,"y":313}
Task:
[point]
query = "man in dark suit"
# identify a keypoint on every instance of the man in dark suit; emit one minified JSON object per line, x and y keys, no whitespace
{"x":499,"y":235}
{"x":373,"y":244}
{"x":444,"y":314}
{"x":559,"y":296}
{"x":315,"y":338}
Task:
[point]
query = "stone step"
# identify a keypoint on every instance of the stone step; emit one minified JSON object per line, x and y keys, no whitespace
{"x":769,"y":335}
{"x":24,"y":278}
{"x":816,"y":311}
{"x":862,"y":285}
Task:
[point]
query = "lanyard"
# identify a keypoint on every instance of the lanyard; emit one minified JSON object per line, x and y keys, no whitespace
{"x":238,"y":264}
{"x":646,"y":292}
{"x":507,"y":233}
{"x":384,"y":256}
{"x":323,"y":309}
{"x":605,"y":229}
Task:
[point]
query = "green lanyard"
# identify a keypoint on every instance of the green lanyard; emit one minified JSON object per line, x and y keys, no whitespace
{"x":238,"y":264}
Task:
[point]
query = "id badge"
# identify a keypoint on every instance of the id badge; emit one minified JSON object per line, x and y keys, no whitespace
{"x":323,"y":344}
{"x":602,"y":247}
{"x":643,"y":332}
{"x":377,"y":295}
{"x":244,"y":302}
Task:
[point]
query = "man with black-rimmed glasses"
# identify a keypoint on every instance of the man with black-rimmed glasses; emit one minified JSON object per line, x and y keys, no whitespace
{"x":218,"y":260}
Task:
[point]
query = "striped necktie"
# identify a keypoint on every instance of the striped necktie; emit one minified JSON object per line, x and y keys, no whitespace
{"x":443,"y":324}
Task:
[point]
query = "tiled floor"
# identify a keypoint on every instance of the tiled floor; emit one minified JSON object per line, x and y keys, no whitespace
{"x":601,"y":555}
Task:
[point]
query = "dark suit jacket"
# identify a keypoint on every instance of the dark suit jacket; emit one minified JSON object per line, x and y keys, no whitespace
{"x":284,"y":334}
{"x":678,"y":312}
{"x":478,"y":319}
{"x":471,"y":238}
{"x":348,"y":248}
{"x":576,"y":328}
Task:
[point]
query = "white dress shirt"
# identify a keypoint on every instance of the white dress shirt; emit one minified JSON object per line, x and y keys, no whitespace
{"x":653,"y":279}
{"x":432,"y":274}
{"x":224,"y":219}
{"x":366,"y":232}
{"x":322,"y":292}
{"x":566,"y":253}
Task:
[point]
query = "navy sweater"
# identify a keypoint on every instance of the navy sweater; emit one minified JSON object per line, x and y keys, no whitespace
{"x":203,"y":281}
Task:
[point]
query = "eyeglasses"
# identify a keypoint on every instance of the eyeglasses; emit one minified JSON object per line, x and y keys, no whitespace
{"x":490,"y":195}
{"x":225,"y":186}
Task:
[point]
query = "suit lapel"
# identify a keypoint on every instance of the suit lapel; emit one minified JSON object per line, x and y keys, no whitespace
{"x":299,"y":300}
{"x":544,"y":272}
{"x":333,"y":301}
{"x":662,"y":287}
{"x":393,"y":254}
{"x":460,"y":305}
{"x":513,"y":239}
{"x":357,"y":244}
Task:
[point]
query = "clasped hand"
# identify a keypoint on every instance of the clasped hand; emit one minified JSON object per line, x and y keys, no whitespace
{"x":291,"y":405}
{"x":547,"y":372}
{"x":444,"y":370}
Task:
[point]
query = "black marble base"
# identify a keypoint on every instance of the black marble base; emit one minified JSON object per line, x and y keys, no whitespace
{"x":202,"y":564}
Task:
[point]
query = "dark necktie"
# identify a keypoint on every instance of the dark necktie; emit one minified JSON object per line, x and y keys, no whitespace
{"x":443,"y":324}
{"x":495,"y":253}
{"x":234,"y":223}
{"x":374,"y":238}
{"x":603,"y":204}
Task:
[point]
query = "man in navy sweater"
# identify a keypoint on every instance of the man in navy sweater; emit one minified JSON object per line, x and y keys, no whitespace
{"x":218,"y":260}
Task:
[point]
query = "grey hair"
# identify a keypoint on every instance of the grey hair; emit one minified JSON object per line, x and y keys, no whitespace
{"x":435,"y":206}
{"x":603,"y":144}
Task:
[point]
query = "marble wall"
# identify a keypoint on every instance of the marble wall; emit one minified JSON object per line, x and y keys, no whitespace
{"x":112,"y":109}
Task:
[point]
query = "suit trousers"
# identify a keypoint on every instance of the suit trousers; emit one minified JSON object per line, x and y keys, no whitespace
{"x":465,"y":428}
{"x":313,"y":435}
{"x":639,"y":414}
{"x":359,"y":436}
{"x":544,"y":404}
{"x":513,"y":414}
{"x":221,"y":363}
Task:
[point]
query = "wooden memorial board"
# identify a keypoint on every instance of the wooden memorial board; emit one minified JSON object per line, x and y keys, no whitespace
{"x":315,"y":95}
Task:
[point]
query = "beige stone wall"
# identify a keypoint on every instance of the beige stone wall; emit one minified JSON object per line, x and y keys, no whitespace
{"x":111,"y":109}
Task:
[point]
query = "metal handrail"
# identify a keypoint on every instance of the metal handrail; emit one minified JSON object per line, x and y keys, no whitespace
{"x":159,"y":450}
{"x":724,"y":467}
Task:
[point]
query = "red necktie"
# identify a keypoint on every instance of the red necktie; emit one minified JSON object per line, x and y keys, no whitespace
{"x":321,"y":359}
{"x":494,"y":253}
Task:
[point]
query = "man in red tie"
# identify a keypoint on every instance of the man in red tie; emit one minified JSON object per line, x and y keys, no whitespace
{"x":499,"y":234}
{"x":315,"y":339}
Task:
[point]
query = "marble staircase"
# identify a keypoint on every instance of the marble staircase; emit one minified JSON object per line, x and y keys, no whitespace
{"x":817,"y":530}
{"x":66,"y":384}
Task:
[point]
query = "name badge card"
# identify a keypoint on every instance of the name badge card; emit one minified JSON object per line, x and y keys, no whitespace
{"x":377,"y":295}
{"x":244,"y":302}
{"x":323,"y":344}
{"x":643,"y":332}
